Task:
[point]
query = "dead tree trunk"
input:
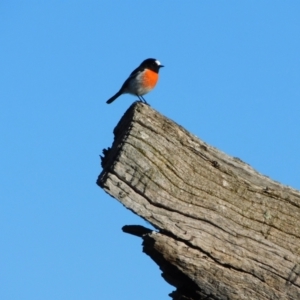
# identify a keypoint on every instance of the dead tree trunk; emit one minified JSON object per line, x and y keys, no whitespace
{"x":224,"y":231}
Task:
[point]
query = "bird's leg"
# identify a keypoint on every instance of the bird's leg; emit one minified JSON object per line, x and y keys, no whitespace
{"x":140,"y":99}
{"x":144,"y":100}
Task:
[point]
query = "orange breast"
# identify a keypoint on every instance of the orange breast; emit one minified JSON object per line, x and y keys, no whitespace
{"x":150,"y":79}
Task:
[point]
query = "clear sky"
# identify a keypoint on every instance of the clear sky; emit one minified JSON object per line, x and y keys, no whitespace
{"x":231,"y":77}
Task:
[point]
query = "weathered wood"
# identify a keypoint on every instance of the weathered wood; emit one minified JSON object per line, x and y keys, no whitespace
{"x":224,"y":230}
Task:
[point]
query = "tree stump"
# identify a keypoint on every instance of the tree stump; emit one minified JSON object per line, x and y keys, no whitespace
{"x":224,"y":231}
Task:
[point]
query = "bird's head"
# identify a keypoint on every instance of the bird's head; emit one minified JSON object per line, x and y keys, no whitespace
{"x":152,"y":64}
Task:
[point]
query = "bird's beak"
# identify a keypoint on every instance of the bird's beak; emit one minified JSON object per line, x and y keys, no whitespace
{"x":161,"y":66}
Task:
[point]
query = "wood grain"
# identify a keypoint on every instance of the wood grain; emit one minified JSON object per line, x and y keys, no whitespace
{"x":224,"y":231}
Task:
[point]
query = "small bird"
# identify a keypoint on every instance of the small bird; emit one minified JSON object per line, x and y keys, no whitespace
{"x":141,"y":81}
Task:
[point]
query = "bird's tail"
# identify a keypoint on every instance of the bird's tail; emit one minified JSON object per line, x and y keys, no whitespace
{"x":113,"y":98}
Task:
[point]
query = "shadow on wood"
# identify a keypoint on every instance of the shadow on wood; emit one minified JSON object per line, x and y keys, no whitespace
{"x":224,"y":231}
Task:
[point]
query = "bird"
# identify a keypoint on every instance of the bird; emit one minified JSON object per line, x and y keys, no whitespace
{"x":141,"y":80}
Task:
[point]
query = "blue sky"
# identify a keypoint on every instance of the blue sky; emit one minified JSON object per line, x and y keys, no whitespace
{"x":231,"y":77}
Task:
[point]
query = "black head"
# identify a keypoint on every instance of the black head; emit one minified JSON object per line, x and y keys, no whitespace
{"x":152,"y":64}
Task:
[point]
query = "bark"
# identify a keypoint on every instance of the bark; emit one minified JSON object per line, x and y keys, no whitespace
{"x":224,"y":231}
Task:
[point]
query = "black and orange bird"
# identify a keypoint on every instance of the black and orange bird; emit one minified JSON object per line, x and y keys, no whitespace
{"x":141,"y":80}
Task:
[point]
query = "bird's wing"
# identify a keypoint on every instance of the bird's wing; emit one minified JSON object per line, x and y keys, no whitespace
{"x":136,"y":71}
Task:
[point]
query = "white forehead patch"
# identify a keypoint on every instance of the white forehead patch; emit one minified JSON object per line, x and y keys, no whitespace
{"x":158,"y":62}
